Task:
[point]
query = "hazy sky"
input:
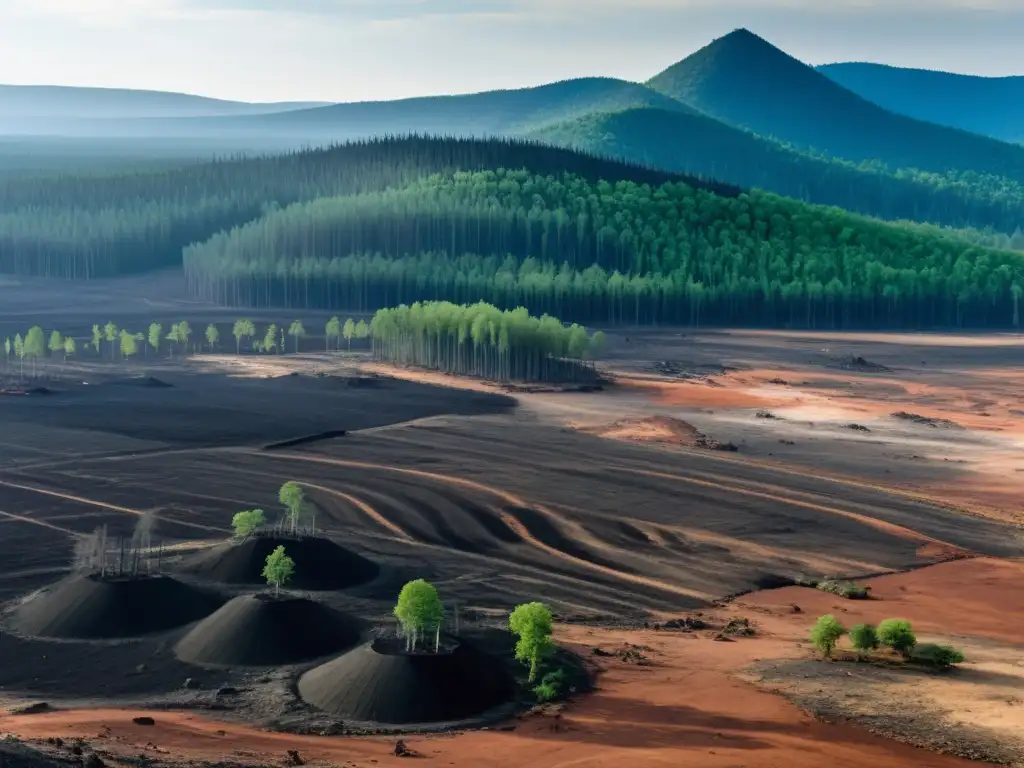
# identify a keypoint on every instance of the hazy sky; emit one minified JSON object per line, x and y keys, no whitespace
{"x":344,"y":50}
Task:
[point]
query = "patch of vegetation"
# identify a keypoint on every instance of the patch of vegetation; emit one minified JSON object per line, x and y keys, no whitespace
{"x":847,"y":589}
{"x":864,"y":638}
{"x":420,"y":612}
{"x":279,"y":569}
{"x":826,"y":633}
{"x":552,"y":686}
{"x":739,"y":627}
{"x":531,"y":622}
{"x":248,"y":522}
{"x":936,"y":655}
{"x":898,"y":635}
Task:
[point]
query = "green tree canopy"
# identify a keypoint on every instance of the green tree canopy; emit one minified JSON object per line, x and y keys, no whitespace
{"x":332,"y":330}
{"x":270,"y":338}
{"x":56,"y":344}
{"x":247,"y":522}
{"x":97,"y":337}
{"x":349,"y":331}
{"x":156,"y":333}
{"x":864,"y":637}
{"x":129,"y":343}
{"x":212,"y":336}
{"x":826,"y":633}
{"x":898,"y":635}
{"x":69,"y":347}
{"x":278,"y":569}
{"x":240,"y":330}
{"x":293,"y":498}
{"x":297,"y":331}
{"x":419,"y":610}
{"x":532,"y":623}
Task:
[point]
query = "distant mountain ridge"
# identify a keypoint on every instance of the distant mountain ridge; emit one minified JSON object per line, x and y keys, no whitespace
{"x":991,"y":106}
{"x":744,"y":80}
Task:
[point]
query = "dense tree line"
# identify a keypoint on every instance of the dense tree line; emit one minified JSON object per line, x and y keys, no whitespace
{"x":90,"y":226}
{"x":623,"y":252}
{"x":697,"y":144}
{"x":482,"y":340}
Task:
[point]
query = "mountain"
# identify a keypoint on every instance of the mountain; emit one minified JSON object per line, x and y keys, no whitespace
{"x":693,"y":143}
{"x":58,"y":101}
{"x":992,"y":106}
{"x":744,"y":80}
{"x":490,"y":113}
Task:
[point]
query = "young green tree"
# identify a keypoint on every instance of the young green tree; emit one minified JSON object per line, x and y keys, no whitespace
{"x":270,"y":338}
{"x":35,"y":345}
{"x":69,"y":348}
{"x":362,"y":330}
{"x":246,"y":523}
{"x":864,"y":638}
{"x":532,"y":623}
{"x":278,"y":569}
{"x":331,"y":331}
{"x":19,"y":352}
{"x":349,"y":331}
{"x":826,"y":633}
{"x":281,"y":347}
{"x":56,"y":344}
{"x":156,"y":334}
{"x":297,"y":331}
{"x":184,"y":333}
{"x":212,"y":336}
{"x":898,"y":635}
{"x":97,"y":337}
{"x":129,"y":343}
{"x":420,"y":611}
{"x":110,"y":334}
{"x":293,"y":498}
{"x":8,"y":348}
{"x":240,"y":330}
{"x":174,"y":337}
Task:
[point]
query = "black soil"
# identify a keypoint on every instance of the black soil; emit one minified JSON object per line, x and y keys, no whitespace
{"x":262,"y":630}
{"x":93,"y":608}
{"x":320,"y":564}
{"x":377,"y":683}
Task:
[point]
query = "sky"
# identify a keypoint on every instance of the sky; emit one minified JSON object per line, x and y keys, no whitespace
{"x":353,"y":50}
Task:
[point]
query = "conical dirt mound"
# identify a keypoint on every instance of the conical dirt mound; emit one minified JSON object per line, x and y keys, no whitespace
{"x":92,"y":608}
{"x":377,"y":684}
{"x":320,"y":564}
{"x":262,"y":630}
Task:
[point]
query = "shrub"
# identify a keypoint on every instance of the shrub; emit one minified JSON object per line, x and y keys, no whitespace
{"x":532,"y":623}
{"x":864,"y":638}
{"x":551,"y":687}
{"x":936,"y":655}
{"x":846,"y":589}
{"x":545,"y":692}
{"x":825,"y":633}
{"x":898,"y":635}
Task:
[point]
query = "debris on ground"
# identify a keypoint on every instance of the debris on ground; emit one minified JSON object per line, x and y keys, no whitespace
{"x":857,"y":427}
{"x":857,"y":363}
{"x":926,"y":421}
{"x":739,"y":627}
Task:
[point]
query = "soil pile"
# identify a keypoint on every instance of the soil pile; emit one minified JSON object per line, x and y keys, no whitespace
{"x":94,"y":608}
{"x":263,"y":630}
{"x":659,"y":429}
{"x":320,"y":564}
{"x":143,"y":381}
{"x":380,"y":683}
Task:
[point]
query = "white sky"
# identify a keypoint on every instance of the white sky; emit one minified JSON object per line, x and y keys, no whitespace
{"x":348,"y":50}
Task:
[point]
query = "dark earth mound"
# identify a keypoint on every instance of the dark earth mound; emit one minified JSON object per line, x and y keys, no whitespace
{"x":143,"y":381}
{"x":94,"y":608}
{"x":380,"y":683}
{"x":320,"y":564}
{"x":263,"y":630}
{"x":926,"y":421}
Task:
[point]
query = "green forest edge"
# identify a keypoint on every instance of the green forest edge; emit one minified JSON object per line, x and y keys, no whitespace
{"x":640,"y":245}
{"x":419,"y":610}
{"x":477,"y":340}
{"x":895,"y":635}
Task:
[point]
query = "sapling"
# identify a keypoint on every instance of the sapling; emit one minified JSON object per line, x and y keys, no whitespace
{"x":418,"y":610}
{"x":532,"y":623}
{"x":293,"y":499}
{"x":279,"y":569}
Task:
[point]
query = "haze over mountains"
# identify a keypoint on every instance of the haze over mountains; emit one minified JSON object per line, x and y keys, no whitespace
{"x":739,"y":110}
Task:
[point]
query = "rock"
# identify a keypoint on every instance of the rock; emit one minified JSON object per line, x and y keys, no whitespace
{"x":401,"y":750}
{"x":722,"y":638}
{"x":794,"y":608}
{"x":293,"y":758}
{"x":76,"y":749}
{"x":144,"y":720}
{"x":93,"y":761}
{"x":600,"y":652}
{"x":227,"y":690}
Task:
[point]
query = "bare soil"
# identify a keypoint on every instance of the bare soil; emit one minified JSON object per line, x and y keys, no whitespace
{"x":606,"y":505}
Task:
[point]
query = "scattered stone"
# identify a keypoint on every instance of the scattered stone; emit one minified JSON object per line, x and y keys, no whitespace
{"x":76,"y":750}
{"x":765,"y":415}
{"x":857,"y":427}
{"x":601,"y":652}
{"x":739,"y":627}
{"x":401,"y":750}
{"x":227,"y":690}
{"x":723,"y":638}
{"x":782,"y":382}
{"x":32,"y":709}
{"x":144,"y":720}
{"x":293,"y":758}
{"x":686,"y":624}
{"x":93,"y":761}
{"x":926,"y":421}
{"x":794,"y":608}
{"x":787,"y":442}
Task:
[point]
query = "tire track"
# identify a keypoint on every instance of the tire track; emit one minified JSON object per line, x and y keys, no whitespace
{"x":510,"y":519}
{"x":365,"y":508}
{"x":42,"y":523}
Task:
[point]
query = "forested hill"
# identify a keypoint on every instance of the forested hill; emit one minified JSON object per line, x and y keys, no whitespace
{"x":697,"y":144}
{"x":623,"y":252}
{"x":81,"y":227}
{"x":744,"y":80}
{"x":991,"y":106}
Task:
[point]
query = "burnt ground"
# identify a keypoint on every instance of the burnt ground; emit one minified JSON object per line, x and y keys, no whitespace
{"x":491,"y":504}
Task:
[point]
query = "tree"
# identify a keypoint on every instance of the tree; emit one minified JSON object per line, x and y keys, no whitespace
{"x":110,"y":333}
{"x":898,"y":635}
{"x":270,"y":338}
{"x":156,"y":333}
{"x":348,"y":331}
{"x":35,"y":345}
{"x":246,"y":523}
{"x":174,"y":337}
{"x":8,"y":347}
{"x":532,"y":623}
{"x":56,"y":344}
{"x":936,"y":655}
{"x":864,"y":638}
{"x":69,"y":347}
{"x":184,"y":333}
{"x":19,"y":352}
{"x":279,"y":569}
{"x":362,"y":330}
{"x":331,"y":331}
{"x":97,"y":337}
{"x":212,"y":336}
{"x":240,"y":330}
{"x":296,"y":330}
{"x":826,"y":633}
{"x":419,"y":610}
{"x":293,"y":498}
{"x":129,"y":343}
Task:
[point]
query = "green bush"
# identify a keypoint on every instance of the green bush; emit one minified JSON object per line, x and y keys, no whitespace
{"x":825,"y":633}
{"x":898,"y":635}
{"x":545,"y":692}
{"x":552,"y":686}
{"x":936,"y":655}
{"x":846,"y":589}
{"x":864,"y":637}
